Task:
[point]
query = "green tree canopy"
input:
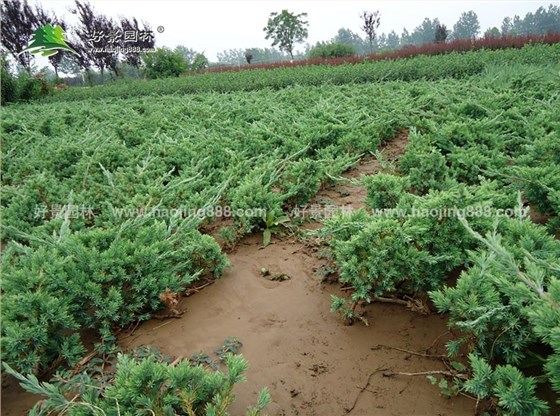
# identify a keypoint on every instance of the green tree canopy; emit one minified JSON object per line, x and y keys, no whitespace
{"x":164,"y":63}
{"x":347,"y":37}
{"x":467,"y":27}
{"x":286,"y":29}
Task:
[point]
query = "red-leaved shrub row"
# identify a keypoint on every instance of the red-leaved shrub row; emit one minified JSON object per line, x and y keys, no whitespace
{"x":458,"y":45}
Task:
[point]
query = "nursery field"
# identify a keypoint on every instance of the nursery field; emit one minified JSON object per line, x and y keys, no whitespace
{"x":374,"y":239}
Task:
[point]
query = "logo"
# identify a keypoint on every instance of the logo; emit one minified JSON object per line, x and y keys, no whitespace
{"x":47,"y":41}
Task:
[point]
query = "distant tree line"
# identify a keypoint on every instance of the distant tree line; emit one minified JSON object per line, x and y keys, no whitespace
{"x":543,"y":21}
{"x":284,"y":29}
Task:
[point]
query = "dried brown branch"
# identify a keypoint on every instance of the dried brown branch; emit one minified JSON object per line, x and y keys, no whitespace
{"x":419,"y":354}
{"x":347,"y":410}
{"x":426,"y":373}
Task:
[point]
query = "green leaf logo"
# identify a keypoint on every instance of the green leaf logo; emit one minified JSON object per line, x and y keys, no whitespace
{"x":47,"y":41}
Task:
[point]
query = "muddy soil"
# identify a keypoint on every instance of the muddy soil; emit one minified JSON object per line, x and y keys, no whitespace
{"x":310,"y":361}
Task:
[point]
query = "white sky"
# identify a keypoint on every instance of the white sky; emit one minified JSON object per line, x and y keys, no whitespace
{"x":214,"y":25}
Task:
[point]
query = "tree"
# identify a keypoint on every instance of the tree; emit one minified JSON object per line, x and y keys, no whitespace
{"x":547,"y":20}
{"x":19,"y":23}
{"x":405,"y":37}
{"x":266,"y":55}
{"x":425,"y":32}
{"x":492,"y":32}
{"x":187,"y":53}
{"x":441,"y":33}
{"x":95,"y":33}
{"x":248,"y":57}
{"x":8,"y":85}
{"x":89,"y":32}
{"x":114,"y":39}
{"x":467,"y":27}
{"x":233,"y":57}
{"x":392,"y":41}
{"x":507,"y":26}
{"x":286,"y":29}
{"x":539,"y":23}
{"x":199,"y":62}
{"x":164,"y":63}
{"x":347,"y":37}
{"x":381,"y":42}
{"x":142,"y":42}
{"x":69,"y":64}
{"x":370,"y":25}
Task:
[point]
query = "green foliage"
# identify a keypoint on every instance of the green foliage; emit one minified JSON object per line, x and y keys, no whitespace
{"x":146,"y":386}
{"x":412,"y":246}
{"x":255,"y":202}
{"x":199,"y":62}
{"x":164,"y":63}
{"x":467,"y":27}
{"x":482,"y":127}
{"x":99,"y":279}
{"x":286,"y":29}
{"x":8,"y":82}
{"x":515,"y":392}
{"x":32,"y":88}
{"x":503,"y":305}
{"x":364,"y":258}
{"x":331,"y":50}
{"x":426,"y":167}
{"x":129,"y":246}
{"x":272,"y":226}
{"x":539,"y":173}
{"x":453,"y":65}
{"x":345,"y":36}
{"x":301,"y":180}
{"x":385,"y":190}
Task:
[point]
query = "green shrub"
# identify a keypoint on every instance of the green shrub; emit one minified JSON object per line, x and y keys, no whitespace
{"x":97,"y":278}
{"x":331,"y":50}
{"x":515,"y":393}
{"x":300,"y":181}
{"x":253,"y":200}
{"x":164,"y":63}
{"x":9,"y":87}
{"x":411,"y":248}
{"x":146,"y":386}
{"x":28,"y":87}
{"x":426,"y":168}
{"x":501,"y":307}
{"x":385,"y":190}
{"x":199,"y":62}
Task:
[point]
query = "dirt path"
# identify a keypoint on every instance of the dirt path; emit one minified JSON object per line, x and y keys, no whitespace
{"x":311,"y":362}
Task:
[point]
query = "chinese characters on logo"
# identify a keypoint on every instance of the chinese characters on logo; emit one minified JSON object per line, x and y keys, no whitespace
{"x":116,"y":36}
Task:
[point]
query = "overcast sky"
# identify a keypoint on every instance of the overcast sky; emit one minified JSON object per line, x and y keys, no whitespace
{"x":214,"y":25}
